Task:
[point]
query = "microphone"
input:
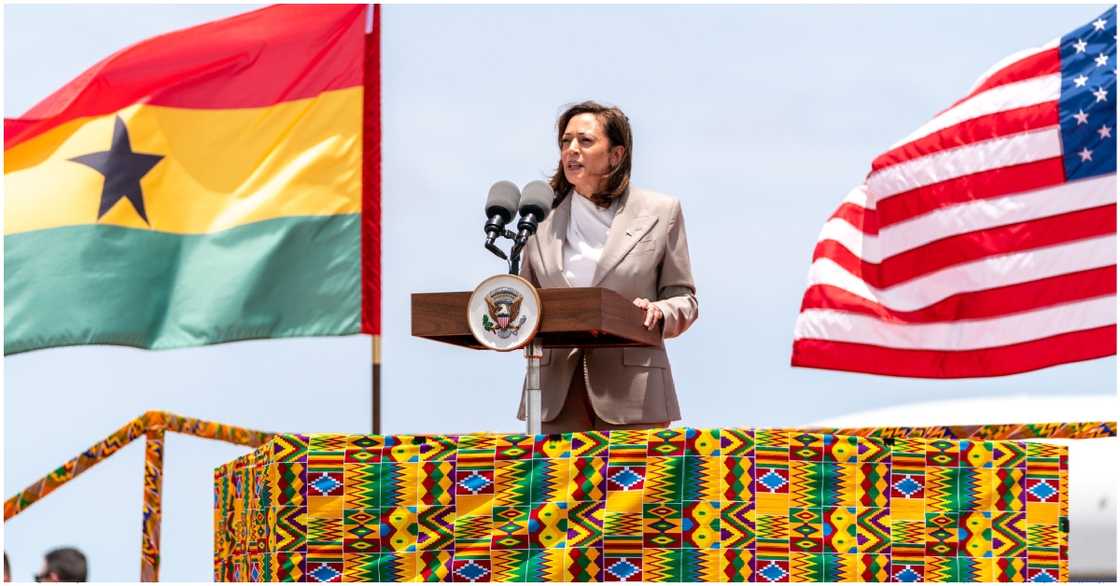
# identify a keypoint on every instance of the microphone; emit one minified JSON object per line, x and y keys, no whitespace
{"x":536,"y":202}
{"x":500,"y":206}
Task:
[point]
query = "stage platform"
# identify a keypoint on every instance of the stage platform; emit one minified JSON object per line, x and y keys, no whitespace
{"x":761,"y":505}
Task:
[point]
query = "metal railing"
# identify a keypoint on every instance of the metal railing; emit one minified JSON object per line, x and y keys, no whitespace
{"x":152,"y":425}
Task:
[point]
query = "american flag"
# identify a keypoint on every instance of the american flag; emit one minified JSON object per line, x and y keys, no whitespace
{"x":984,"y":243}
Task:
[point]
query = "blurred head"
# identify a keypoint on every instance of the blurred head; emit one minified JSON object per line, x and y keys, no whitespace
{"x":65,"y":564}
{"x":595,"y":151}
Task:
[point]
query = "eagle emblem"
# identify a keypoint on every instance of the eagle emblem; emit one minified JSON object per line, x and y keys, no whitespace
{"x":503,"y":316}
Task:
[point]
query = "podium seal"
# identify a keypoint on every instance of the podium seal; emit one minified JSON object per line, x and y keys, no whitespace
{"x":504,"y":312}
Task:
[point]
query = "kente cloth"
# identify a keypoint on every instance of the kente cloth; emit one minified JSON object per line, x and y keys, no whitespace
{"x":667,"y":505}
{"x":212,"y":184}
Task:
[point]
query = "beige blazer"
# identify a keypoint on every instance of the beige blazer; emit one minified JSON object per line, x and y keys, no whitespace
{"x":646,"y":255}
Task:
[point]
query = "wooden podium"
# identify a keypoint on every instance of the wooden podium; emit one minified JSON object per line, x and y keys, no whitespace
{"x":588,"y":317}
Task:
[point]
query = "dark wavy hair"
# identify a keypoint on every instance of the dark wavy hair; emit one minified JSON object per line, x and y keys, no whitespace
{"x":617,"y":127}
{"x":68,"y":563}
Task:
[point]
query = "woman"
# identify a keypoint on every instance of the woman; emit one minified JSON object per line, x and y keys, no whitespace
{"x":604,"y":233}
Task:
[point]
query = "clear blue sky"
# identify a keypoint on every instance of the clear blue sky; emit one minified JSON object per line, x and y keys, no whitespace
{"x":759,"y":119}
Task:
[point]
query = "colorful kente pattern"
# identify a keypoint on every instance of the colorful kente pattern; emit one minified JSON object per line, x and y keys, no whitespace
{"x":153,"y":509}
{"x":150,"y":421}
{"x":1003,"y":431}
{"x":152,"y":424}
{"x":667,"y":505}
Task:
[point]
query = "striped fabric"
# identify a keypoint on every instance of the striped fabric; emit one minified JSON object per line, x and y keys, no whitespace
{"x":661,"y":505}
{"x":984,"y":243}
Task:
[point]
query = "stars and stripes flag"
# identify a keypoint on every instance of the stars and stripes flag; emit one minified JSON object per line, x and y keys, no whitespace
{"x":984,"y":243}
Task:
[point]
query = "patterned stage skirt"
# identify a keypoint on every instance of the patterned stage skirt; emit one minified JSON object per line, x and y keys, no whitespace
{"x":719,"y":505}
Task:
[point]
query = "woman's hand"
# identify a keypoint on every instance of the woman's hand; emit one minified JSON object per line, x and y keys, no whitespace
{"x":653,"y":314}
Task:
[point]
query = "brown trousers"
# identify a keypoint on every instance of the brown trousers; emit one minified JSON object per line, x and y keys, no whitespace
{"x":578,"y":414}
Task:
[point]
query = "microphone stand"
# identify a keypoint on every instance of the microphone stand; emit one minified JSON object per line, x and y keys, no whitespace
{"x":526,"y":228}
{"x":534,"y":350}
{"x":515,"y":258}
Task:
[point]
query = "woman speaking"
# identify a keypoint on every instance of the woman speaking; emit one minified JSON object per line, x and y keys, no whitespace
{"x":603,"y":232}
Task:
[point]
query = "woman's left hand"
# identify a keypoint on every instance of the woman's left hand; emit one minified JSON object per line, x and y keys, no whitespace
{"x":653,"y":314}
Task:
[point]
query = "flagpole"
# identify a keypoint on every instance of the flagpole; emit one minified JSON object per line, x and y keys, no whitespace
{"x":376,"y":342}
{"x":371,"y":111}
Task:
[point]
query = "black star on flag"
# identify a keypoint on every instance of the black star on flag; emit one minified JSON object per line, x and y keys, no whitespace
{"x":122,"y":169}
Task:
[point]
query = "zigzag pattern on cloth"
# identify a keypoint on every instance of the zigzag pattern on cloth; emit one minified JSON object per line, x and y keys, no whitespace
{"x":509,"y":565}
{"x":651,"y":505}
{"x":546,"y":565}
{"x":435,"y":528}
{"x":512,"y":481}
{"x":436,"y":484}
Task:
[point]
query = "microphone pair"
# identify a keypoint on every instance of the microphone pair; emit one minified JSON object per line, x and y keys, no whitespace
{"x":533,"y":204}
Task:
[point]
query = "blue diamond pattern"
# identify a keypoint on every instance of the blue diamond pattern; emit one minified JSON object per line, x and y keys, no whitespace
{"x":1043,"y":576}
{"x":623,"y":569}
{"x":908,"y":486}
{"x":626,"y":478}
{"x":324,"y":573}
{"x":772,"y":572}
{"x":325,"y":484}
{"x":1043,"y":490}
{"x":474,"y":483}
{"x":907,"y":575}
{"x":472,"y":571}
{"x":772,"y":480}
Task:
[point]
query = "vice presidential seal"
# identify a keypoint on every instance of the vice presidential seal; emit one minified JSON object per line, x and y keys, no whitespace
{"x":504,"y":309}
{"x":504,"y":312}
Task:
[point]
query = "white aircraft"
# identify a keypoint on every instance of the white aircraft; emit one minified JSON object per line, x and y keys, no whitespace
{"x":1092,"y":462}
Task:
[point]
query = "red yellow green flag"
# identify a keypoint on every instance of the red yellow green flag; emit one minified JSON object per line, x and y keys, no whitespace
{"x":213,"y":184}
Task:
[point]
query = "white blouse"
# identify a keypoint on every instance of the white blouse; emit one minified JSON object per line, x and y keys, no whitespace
{"x":586,"y":237}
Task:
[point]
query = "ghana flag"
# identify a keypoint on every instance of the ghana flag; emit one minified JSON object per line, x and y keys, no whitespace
{"x":213,"y":184}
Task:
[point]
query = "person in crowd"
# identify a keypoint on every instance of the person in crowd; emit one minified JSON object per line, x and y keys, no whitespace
{"x":65,"y":564}
{"x":604,"y":232}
